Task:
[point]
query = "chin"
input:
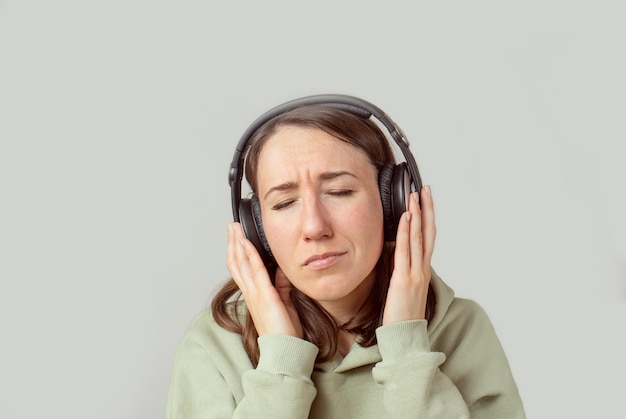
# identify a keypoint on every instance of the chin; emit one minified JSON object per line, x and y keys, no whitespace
{"x":331,"y":288}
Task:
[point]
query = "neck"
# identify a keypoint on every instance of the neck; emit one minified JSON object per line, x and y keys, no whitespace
{"x":344,"y":310}
{"x":345,"y":340}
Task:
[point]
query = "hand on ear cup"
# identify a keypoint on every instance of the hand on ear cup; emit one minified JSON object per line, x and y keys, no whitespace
{"x":252,"y":224}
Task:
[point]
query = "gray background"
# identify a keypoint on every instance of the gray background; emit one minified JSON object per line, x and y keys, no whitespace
{"x":118,"y":121}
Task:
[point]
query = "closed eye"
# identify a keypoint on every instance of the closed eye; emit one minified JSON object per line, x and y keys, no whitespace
{"x":283,"y":204}
{"x":334,"y":192}
{"x":341,"y":192}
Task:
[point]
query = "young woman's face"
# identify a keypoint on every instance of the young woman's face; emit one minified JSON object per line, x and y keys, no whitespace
{"x":322,"y":214}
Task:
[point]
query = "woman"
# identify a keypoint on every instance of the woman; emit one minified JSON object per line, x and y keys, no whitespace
{"x":340,"y":323}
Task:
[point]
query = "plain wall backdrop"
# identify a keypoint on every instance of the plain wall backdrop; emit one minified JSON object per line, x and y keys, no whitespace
{"x":118,"y":121}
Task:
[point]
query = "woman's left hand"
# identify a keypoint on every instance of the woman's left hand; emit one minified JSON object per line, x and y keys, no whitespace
{"x":415,"y":242}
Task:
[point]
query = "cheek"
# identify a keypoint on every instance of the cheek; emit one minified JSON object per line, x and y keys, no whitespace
{"x":369,"y":227}
{"x":368,"y":216}
{"x":283,"y":242}
{"x":279,"y":235}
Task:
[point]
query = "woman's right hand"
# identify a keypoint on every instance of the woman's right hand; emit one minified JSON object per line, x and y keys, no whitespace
{"x":270,"y":306}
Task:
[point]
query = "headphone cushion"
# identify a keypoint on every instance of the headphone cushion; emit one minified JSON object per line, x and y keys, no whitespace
{"x":385,"y":179}
{"x":401,"y":188}
{"x":250,"y":219}
{"x":258,"y":222}
{"x":395,"y":186}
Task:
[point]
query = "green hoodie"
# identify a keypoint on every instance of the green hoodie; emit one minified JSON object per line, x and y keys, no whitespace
{"x":453,"y":367}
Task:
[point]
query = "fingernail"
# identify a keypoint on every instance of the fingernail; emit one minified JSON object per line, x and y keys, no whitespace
{"x":407,"y":217}
{"x":427,"y":187}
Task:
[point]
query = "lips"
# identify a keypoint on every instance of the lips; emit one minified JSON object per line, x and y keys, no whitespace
{"x":323,"y":260}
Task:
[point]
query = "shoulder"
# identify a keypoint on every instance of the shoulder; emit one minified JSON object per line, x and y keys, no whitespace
{"x":199,"y":331}
{"x":205,"y":343}
{"x":208,"y":365}
{"x":468,"y":339}
{"x":462,"y":319}
{"x":466,"y":311}
{"x":458,"y":322}
{"x":452,"y":311}
{"x":204,"y":331}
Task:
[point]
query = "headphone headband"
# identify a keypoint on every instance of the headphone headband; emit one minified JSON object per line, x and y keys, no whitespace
{"x":351,"y":104}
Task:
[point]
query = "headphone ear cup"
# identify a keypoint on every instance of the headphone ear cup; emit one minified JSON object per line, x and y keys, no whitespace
{"x":401,"y":186}
{"x":385,"y":178}
{"x":395,"y":187}
{"x":250,"y":219}
{"x":258,"y":222}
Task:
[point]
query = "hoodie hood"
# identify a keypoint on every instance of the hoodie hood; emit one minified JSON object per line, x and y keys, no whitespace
{"x":444,"y":295}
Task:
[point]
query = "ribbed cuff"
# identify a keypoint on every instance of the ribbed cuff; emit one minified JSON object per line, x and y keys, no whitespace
{"x":402,"y":340}
{"x":286,"y":355}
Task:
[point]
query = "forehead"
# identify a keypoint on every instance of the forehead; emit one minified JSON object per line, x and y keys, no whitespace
{"x":292,"y":148}
{"x":291,"y":143}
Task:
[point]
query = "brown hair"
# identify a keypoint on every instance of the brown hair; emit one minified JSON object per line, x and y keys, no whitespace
{"x":318,"y":326}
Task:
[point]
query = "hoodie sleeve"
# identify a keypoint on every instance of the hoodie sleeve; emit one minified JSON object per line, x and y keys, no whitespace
{"x":413,"y":385}
{"x":213,"y":378}
{"x":459,"y":371}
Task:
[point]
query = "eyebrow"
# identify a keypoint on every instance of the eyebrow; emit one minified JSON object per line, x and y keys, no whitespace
{"x":322,"y":176}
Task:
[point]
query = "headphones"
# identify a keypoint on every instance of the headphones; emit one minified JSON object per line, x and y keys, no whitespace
{"x":394,"y":180}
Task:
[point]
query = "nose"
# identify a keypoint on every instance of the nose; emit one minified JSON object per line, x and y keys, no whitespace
{"x":315,"y":221}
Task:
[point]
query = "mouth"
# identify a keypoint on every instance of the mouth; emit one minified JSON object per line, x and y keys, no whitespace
{"x":323,"y":260}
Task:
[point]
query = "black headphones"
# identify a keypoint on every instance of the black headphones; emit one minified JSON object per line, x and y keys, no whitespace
{"x":394,"y":180}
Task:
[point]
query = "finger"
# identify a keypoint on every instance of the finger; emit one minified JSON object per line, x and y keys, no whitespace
{"x":250,"y":265}
{"x":246,"y":274}
{"x":416,"y":243}
{"x":231,"y":260}
{"x":251,"y":253}
{"x":238,"y":260}
{"x":402,"y":255}
{"x":429,"y":229}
